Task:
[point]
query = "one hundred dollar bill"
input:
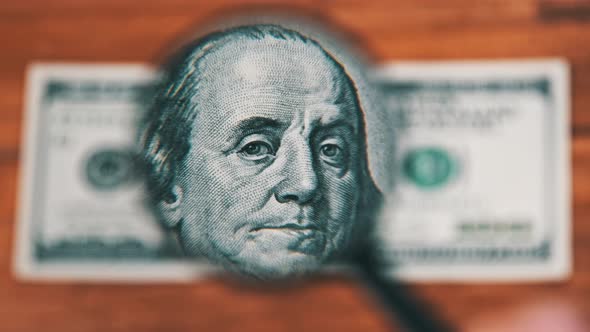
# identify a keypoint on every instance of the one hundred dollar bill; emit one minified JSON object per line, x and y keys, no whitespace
{"x":482,"y":186}
{"x":82,"y":208}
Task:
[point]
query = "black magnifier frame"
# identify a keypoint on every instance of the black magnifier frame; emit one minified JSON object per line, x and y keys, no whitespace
{"x":396,"y":297}
{"x":398,"y":300}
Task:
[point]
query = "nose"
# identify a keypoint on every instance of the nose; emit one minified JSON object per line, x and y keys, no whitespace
{"x":300,"y":181}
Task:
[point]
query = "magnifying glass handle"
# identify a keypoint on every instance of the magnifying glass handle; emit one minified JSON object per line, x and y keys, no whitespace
{"x":409,"y":310}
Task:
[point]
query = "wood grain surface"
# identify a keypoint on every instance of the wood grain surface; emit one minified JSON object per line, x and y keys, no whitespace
{"x":138,"y":30}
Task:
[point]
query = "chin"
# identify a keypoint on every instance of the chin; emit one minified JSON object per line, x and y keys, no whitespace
{"x":281,"y":265}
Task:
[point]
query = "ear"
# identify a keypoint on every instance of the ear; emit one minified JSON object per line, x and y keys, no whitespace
{"x":170,"y":210}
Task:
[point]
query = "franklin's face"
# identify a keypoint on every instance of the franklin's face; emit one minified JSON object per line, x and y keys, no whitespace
{"x":271,"y":183}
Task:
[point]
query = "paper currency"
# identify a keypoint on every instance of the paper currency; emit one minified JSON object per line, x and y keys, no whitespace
{"x":82,"y":211}
{"x":483,"y":171}
{"x":481,"y":182}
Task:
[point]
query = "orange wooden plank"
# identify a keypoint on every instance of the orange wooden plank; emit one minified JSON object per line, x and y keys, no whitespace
{"x":138,"y":30}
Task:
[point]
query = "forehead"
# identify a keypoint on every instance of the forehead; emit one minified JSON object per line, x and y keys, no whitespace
{"x":277,"y":79}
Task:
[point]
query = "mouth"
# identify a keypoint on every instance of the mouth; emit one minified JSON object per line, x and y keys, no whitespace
{"x":291,"y":226}
{"x":296,"y":236}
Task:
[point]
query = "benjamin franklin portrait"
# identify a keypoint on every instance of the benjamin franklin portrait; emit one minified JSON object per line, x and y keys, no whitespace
{"x":256,"y":153}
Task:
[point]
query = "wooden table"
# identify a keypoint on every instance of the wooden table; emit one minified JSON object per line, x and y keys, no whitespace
{"x":137,"y":30}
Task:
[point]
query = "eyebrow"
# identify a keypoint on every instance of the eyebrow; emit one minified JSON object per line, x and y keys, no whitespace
{"x":253,"y":124}
{"x":257,"y":122}
{"x":339,"y":123}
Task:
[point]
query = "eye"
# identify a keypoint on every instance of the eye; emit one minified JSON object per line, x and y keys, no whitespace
{"x":256,"y":150}
{"x":333,"y":154}
{"x":330,"y":150}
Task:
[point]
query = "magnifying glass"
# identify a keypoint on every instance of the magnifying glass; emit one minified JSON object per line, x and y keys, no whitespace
{"x":257,"y":156}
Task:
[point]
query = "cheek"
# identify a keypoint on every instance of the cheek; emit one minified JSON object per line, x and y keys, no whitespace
{"x":224,"y":192}
{"x":342,"y":195}
{"x":237,"y":195}
{"x":222,"y":182}
{"x":244,"y":188}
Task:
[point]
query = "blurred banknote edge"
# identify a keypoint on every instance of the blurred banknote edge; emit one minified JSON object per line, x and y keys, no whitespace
{"x":483,"y":171}
{"x":82,"y":212}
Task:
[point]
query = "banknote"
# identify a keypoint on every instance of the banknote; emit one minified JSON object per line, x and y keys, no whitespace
{"x":82,"y":207}
{"x":478,"y":188}
{"x":483,"y":171}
